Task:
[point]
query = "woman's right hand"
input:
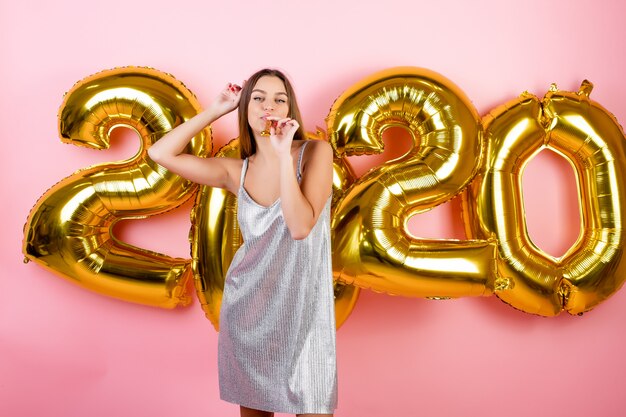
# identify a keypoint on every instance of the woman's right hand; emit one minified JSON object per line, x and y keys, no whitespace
{"x":227,"y":100}
{"x":169,"y":151}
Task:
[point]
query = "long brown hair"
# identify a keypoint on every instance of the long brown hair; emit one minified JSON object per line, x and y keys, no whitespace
{"x":246,"y":137}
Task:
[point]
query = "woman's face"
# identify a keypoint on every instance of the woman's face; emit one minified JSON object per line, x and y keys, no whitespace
{"x":268,"y":98}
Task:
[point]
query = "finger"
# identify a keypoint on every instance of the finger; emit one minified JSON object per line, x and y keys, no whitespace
{"x":285,"y":121}
{"x":291,"y":124}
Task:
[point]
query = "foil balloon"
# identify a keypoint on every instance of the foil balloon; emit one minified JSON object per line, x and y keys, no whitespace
{"x":590,"y":138}
{"x":215,"y":238}
{"x":69,"y":230}
{"x":371,"y":246}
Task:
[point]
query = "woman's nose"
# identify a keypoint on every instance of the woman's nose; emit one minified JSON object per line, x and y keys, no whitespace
{"x":268,"y":106}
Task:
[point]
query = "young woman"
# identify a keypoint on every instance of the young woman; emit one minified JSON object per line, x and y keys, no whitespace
{"x":276,"y":348}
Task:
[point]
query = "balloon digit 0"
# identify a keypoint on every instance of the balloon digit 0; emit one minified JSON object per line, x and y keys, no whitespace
{"x":592,"y":140}
{"x":215,"y":238}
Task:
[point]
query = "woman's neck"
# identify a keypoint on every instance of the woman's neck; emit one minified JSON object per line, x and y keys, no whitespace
{"x":264,"y":150}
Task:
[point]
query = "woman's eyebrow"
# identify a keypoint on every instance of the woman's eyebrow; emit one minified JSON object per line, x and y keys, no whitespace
{"x":265,"y":92}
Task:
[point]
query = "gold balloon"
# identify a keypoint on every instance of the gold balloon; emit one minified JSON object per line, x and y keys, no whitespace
{"x":592,"y":140}
{"x":215,"y":238}
{"x":69,"y":230}
{"x":371,"y":246}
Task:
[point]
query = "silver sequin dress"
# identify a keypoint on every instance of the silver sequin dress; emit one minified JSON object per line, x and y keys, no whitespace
{"x":276,"y":349}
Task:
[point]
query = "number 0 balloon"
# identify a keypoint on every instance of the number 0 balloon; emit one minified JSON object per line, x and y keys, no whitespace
{"x":592,"y":140}
{"x":215,"y":238}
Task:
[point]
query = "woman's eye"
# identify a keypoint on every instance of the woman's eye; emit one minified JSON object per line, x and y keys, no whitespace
{"x":281,"y":100}
{"x":257,"y":98}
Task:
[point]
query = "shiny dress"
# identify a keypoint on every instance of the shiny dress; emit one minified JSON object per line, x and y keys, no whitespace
{"x":276,"y":349}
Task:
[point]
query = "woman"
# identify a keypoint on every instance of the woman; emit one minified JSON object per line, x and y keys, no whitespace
{"x":276,"y":348}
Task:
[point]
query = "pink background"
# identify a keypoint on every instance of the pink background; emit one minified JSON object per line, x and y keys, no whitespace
{"x":65,"y":351}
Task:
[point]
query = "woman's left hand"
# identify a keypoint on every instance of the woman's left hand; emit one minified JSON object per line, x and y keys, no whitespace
{"x":282,"y":135}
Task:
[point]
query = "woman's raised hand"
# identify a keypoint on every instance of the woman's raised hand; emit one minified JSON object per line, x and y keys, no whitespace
{"x":228,"y":99}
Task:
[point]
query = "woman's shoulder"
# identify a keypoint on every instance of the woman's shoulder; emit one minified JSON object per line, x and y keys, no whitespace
{"x":314,"y":146}
{"x":234,"y":166}
{"x":229,"y":162}
{"x":318,"y":153}
{"x":317,"y":148}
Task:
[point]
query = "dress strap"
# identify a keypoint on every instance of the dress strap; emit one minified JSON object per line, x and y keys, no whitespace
{"x":244,"y":169}
{"x":299,"y":173}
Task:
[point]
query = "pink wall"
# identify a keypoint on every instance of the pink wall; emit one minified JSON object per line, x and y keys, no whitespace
{"x":68,"y":352}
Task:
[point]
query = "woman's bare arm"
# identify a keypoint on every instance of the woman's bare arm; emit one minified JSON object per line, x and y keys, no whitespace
{"x":169,"y":150}
{"x":303,"y":203}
